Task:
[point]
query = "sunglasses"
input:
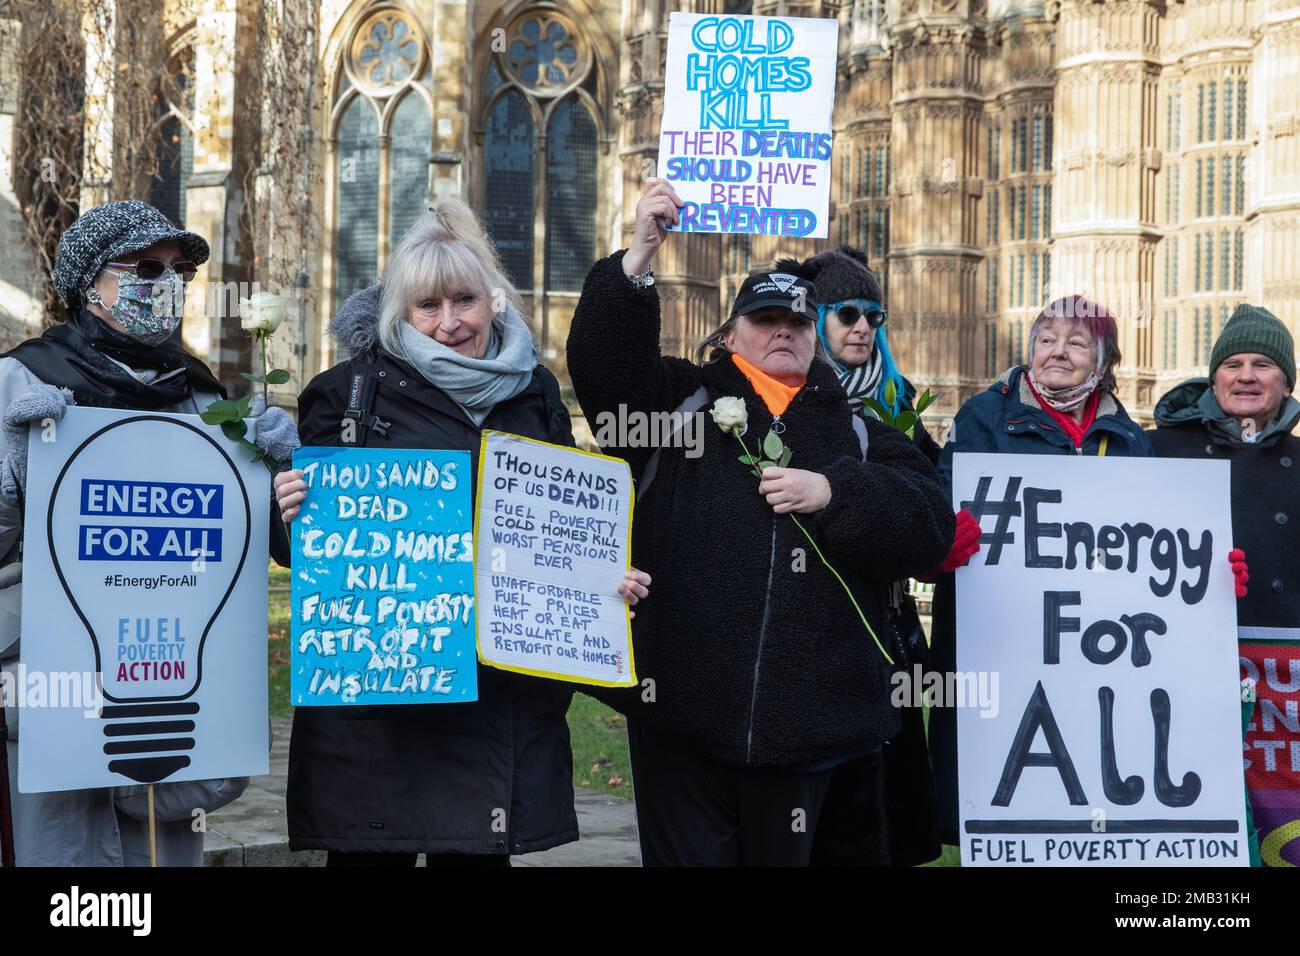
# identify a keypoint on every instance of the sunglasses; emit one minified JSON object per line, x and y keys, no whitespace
{"x":150,"y":269}
{"x":850,"y":314}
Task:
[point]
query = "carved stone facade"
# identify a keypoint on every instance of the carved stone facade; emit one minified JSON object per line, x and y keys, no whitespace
{"x":1143,"y":153}
{"x":989,"y":155}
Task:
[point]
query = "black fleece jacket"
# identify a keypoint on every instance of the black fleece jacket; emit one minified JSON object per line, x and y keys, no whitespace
{"x":756,"y":653}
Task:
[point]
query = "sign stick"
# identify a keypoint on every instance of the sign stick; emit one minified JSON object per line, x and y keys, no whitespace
{"x":153,"y":832}
{"x":6,"y":812}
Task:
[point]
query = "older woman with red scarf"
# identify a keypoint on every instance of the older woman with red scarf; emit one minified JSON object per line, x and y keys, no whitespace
{"x":1060,"y":402}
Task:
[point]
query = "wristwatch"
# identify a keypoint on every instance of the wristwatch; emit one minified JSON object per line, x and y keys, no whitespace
{"x":643,"y":281}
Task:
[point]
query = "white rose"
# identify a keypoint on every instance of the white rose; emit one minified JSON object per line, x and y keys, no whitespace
{"x":730,"y":414}
{"x":262,"y":312}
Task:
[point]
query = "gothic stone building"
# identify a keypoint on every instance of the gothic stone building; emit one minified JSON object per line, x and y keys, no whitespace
{"x":989,"y":155}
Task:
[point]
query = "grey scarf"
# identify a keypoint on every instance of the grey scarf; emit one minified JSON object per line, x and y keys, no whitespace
{"x":476,"y":384}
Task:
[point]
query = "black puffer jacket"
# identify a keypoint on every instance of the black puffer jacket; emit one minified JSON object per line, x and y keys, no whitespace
{"x":757,"y":655}
{"x":431,"y":778}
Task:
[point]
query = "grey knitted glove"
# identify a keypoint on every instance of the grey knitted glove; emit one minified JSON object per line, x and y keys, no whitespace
{"x":275,"y":433}
{"x":35,"y":404}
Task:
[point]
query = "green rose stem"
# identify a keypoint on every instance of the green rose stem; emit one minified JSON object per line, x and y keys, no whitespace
{"x":265,"y":403}
{"x":266,"y":368}
{"x":862,"y":617}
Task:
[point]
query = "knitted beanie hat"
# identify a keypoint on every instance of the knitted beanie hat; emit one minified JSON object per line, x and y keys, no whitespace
{"x":842,"y":274}
{"x":1253,"y":328}
{"x":106,"y":232}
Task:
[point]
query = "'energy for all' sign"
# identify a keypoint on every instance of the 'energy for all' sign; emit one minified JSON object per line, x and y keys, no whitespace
{"x":1104,"y":608}
{"x":144,"y":581}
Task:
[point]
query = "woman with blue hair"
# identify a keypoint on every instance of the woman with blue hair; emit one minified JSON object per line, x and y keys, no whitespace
{"x":880,"y":807}
{"x":851,"y":327}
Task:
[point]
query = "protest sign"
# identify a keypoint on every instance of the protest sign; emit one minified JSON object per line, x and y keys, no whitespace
{"x":553,"y":526}
{"x":1270,"y":657}
{"x":383,"y":599}
{"x":746,"y":133}
{"x":1103,"y":606}
{"x":144,"y":566}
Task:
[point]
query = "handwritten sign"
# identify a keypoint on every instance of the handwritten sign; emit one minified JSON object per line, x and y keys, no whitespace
{"x":553,"y":526}
{"x":144,"y":603}
{"x":1271,"y":658}
{"x":383,"y":598}
{"x":1104,"y":606}
{"x":746,"y":132}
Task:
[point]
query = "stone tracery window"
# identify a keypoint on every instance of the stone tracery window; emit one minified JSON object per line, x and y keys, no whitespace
{"x":387,"y":52}
{"x":382,"y":132}
{"x":541,"y":138}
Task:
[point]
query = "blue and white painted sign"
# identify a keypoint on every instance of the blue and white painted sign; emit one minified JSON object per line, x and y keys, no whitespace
{"x":383,"y":586}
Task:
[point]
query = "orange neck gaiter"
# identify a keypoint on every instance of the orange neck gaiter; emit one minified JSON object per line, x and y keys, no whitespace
{"x":775,"y":395}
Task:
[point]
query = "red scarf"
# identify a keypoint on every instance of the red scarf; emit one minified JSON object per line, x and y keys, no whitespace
{"x":1076,"y":430}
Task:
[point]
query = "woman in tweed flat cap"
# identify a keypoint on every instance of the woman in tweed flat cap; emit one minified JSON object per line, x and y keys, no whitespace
{"x":121,"y":272}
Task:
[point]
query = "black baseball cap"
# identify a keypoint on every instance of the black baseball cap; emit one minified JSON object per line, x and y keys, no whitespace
{"x":783,"y":290}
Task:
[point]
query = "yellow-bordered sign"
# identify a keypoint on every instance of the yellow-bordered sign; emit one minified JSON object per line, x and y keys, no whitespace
{"x":488,"y":436}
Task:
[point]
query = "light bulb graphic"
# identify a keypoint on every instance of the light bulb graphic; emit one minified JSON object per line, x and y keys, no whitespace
{"x":147,"y":565}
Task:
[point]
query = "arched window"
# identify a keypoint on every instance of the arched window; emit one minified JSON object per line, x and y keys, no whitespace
{"x":382,"y":139}
{"x":541,"y":133}
{"x":175,"y":149}
{"x":570,"y":195}
{"x":508,"y":171}
{"x":356,"y":234}
{"x":411,"y":133}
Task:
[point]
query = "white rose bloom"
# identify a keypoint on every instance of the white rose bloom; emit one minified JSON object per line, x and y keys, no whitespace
{"x":730,"y":415}
{"x":262,"y":312}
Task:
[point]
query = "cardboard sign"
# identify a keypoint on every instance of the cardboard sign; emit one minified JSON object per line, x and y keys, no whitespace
{"x":746,"y":133}
{"x":1272,"y":744}
{"x":144,"y":568}
{"x":1100,"y":611}
{"x":383,"y":598}
{"x":553,"y":526}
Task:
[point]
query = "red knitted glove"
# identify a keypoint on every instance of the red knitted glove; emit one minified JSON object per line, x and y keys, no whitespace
{"x":1237,"y":558}
{"x":965,"y":543}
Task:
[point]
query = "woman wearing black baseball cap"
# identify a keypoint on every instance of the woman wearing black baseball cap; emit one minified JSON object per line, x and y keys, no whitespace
{"x":760,"y":672}
{"x":121,"y":271}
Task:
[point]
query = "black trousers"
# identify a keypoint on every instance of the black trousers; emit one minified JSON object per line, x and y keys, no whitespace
{"x":338,"y":858}
{"x":694,"y":811}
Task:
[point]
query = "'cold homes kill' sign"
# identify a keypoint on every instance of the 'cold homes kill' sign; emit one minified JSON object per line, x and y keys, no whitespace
{"x":383,"y":594}
{"x":746,"y":133}
{"x":144,"y":567}
{"x":1105,"y":607}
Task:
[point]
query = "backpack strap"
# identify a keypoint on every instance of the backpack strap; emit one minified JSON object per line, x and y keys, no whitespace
{"x":361,"y":399}
{"x":555,"y":407}
{"x":860,"y":429}
{"x":693,"y":403}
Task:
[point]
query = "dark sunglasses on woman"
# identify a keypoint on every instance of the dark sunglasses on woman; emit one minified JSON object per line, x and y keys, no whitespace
{"x":849,"y":315}
{"x":150,"y":269}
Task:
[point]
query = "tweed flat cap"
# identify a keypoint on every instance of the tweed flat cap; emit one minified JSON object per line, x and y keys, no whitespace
{"x":106,"y":232}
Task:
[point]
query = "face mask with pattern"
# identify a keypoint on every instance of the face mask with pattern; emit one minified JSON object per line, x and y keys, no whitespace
{"x":149,"y":310}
